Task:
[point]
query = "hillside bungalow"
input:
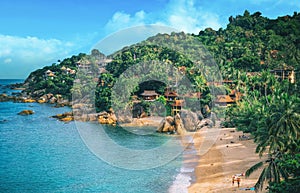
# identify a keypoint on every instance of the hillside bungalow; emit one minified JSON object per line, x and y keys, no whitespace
{"x":84,"y":64}
{"x":170,"y":95}
{"x":49,"y":74}
{"x":177,"y":106}
{"x":224,"y":100}
{"x":286,"y":73}
{"x":149,"y":95}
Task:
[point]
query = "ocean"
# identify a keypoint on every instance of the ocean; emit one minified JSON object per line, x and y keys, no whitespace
{"x":41,"y":154}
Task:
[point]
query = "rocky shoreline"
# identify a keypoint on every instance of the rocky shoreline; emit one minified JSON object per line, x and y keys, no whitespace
{"x":185,"y":121}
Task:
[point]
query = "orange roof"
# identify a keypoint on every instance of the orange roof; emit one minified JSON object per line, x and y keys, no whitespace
{"x":178,"y":103}
{"x":224,"y":99}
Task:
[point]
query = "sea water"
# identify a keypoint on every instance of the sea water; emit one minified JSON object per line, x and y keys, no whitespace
{"x":41,"y":154}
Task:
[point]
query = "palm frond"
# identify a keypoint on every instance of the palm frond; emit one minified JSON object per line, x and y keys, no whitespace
{"x":254,"y":168}
{"x":260,"y":182}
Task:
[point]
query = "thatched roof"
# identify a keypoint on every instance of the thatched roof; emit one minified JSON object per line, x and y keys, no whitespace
{"x":171,"y":94}
{"x":224,"y":99}
{"x":149,"y":93}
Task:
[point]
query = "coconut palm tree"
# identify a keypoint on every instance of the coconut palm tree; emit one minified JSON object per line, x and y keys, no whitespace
{"x":277,"y":133}
{"x":272,"y":171}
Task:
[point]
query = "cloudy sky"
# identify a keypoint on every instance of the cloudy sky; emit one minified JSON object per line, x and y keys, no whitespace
{"x":35,"y":33}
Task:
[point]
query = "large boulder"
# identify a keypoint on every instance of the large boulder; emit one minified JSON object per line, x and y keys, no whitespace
{"x":124,"y":116}
{"x":190,"y":119}
{"x":167,"y":125}
{"x":26,"y":112}
{"x":179,"y":127}
{"x":172,"y":125}
{"x":107,"y":118}
{"x":205,"y":122}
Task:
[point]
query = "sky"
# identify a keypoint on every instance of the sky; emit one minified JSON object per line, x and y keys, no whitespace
{"x":37,"y":33}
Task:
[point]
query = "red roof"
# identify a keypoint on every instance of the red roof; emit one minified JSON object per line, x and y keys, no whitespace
{"x":171,"y":94}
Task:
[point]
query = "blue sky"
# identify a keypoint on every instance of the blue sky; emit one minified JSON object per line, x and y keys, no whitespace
{"x":36,"y":33}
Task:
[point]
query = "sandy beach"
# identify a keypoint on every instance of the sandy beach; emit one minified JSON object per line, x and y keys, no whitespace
{"x":224,"y":156}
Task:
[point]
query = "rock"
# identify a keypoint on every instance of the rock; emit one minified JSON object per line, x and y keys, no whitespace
{"x":28,"y":101}
{"x":66,"y":117}
{"x":189,"y":119}
{"x":205,"y":122}
{"x":92,"y":117}
{"x":52,"y":100}
{"x":166,"y":127}
{"x":179,"y":127}
{"x":200,"y":115}
{"x":107,"y":118}
{"x":41,"y":100}
{"x":26,"y":112}
{"x":172,"y":125}
{"x":3,"y":97}
{"x":124,"y":116}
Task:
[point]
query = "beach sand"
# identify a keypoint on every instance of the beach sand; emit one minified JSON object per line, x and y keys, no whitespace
{"x":224,"y":156}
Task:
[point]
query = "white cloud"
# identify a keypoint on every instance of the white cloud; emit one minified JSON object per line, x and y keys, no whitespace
{"x":122,"y":20}
{"x":183,"y":15}
{"x":7,"y":60}
{"x":29,"y":53}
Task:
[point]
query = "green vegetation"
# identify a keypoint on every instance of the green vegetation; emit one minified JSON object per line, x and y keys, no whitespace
{"x":245,"y":52}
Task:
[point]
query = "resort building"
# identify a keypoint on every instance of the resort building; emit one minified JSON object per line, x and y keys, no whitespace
{"x":224,"y":100}
{"x":149,"y":95}
{"x":285,"y":74}
{"x":170,"y":95}
{"x":177,"y":106}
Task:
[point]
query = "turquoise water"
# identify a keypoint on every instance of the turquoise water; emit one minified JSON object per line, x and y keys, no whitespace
{"x":41,"y":154}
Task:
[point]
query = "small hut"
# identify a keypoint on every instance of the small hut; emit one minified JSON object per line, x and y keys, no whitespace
{"x":224,"y":100}
{"x":171,"y":95}
{"x":149,"y":95}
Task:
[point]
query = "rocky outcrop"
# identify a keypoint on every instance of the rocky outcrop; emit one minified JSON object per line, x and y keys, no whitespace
{"x":186,"y":121}
{"x":124,"y":116}
{"x":26,"y":112}
{"x":65,"y":117}
{"x":107,"y":118}
{"x":172,"y":125}
{"x":190,"y":119}
{"x":204,"y":123}
{"x":180,"y":129}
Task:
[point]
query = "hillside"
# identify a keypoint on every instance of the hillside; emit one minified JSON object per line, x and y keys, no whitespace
{"x":250,"y":43}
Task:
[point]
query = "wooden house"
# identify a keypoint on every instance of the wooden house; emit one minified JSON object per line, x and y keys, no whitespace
{"x":171,"y":95}
{"x":149,"y":95}
{"x":224,"y":100}
{"x":285,"y":74}
{"x":177,"y":106}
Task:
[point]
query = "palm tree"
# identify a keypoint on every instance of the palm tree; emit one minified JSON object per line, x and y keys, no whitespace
{"x":278,"y":130}
{"x":272,"y":171}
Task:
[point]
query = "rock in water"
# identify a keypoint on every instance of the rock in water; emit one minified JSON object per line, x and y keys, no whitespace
{"x":26,"y":112}
{"x":167,"y":125}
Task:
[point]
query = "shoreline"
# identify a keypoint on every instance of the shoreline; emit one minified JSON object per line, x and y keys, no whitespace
{"x":227,"y":156}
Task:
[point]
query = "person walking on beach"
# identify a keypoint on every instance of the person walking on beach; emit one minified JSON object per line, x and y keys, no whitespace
{"x":238,"y":181}
{"x":233,"y":179}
